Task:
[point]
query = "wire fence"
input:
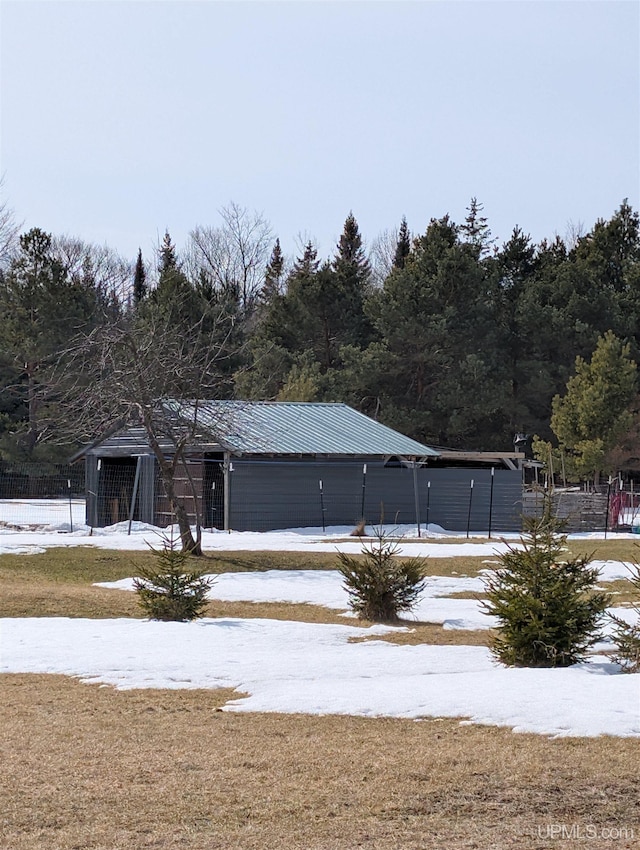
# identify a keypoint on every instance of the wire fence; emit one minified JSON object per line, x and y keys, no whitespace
{"x":40,"y":496}
{"x":257,"y":496}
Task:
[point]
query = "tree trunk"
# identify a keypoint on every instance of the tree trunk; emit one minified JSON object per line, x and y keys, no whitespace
{"x":193,"y":547}
{"x":189,"y":545}
{"x":32,"y":400}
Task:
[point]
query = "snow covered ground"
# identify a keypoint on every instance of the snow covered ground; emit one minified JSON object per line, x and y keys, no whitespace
{"x":313,"y":668}
{"x":310,"y":668}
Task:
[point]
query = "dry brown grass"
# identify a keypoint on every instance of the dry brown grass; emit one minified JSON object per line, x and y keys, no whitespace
{"x":90,"y":768}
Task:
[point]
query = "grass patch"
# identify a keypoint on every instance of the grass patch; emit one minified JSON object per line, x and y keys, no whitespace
{"x":87,"y":564}
{"x":420,"y":633}
{"x":59,"y":582}
{"x":93,"y":768}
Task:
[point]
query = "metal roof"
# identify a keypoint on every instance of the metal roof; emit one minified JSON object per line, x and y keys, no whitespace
{"x":307,"y":428}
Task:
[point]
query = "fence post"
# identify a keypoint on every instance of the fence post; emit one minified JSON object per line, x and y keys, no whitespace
{"x":493,"y":469}
{"x":364,"y":489}
{"x":70,"y":505}
{"x":134,"y":494}
{"x":415,"y":494}
{"x":469,"y":512}
{"x":322,"y":504}
{"x":428,"y":504}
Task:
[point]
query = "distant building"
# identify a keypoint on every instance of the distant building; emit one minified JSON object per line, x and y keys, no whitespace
{"x":268,"y":465}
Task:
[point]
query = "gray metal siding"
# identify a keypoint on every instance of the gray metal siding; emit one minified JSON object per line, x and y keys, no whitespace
{"x":269,"y":495}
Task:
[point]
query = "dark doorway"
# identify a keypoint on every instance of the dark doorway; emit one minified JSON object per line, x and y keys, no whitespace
{"x":116,"y":477}
{"x":213,"y":491}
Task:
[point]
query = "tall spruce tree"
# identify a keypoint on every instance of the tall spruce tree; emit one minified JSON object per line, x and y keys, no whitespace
{"x":475,"y":230}
{"x":139,"y":280}
{"x":403,"y":245}
{"x":352,"y":272}
{"x":546,"y":604}
{"x":273,"y":275}
{"x":175,"y":296}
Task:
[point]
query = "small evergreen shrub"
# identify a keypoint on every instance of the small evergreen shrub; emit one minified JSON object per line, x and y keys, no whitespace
{"x":547,"y":608}
{"x":170,"y":590}
{"x":627,"y":636}
{"x":381,"y":585}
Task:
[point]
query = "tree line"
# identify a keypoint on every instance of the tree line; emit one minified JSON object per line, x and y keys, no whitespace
{"x":444,"y":335}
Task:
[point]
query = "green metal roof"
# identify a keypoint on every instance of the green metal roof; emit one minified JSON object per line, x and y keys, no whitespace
{"x":308,"y":428}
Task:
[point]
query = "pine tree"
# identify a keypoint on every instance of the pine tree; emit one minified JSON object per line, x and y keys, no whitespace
{"x":595,"y":412}
{"x":41,"y":309}
{"x":170,"y":590}
{"x":175,"y":298}
{"x":547,"y":609}
{"x":437,"y":344}
{"x":475,"y":229}
{"x":168,"y":257}
{"x":139,"y":280}
{"x":626,"y":636}
{"x":380,"y":585}
{"x":350,"y":324}
{"x":273,"y":275}
{"x":403,"y":246}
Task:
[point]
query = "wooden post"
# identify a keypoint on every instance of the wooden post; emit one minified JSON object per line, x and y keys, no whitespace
{"x":134,"y":495}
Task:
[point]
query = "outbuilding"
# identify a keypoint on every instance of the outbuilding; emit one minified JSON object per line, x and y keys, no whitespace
{"x":256,"y":466}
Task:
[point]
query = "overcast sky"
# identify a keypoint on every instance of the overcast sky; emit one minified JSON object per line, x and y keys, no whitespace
{"x":121,"y":119}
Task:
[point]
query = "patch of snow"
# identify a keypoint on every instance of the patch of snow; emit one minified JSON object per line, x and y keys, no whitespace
{"x":315,"y":669}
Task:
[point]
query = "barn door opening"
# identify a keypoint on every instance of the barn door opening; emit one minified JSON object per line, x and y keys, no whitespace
{"x":117,"y":478}
{"x":213,"y":491}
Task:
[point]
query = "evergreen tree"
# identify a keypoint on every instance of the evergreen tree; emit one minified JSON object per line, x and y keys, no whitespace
{"x":167,"y":255}
{"x":475,"y":230}
{"x":547,"y":607}
{"x":41,"y":309}
{"x":435,"y":354}
{"x":352,"y":272}
{"x":513,"y":268}
{"x":626,"y":636}
{"x":139,"y":280}
{"x":403,"y":246}
{"x":171,"y":590}
{"x":380,"y":585}
{"x":273,"y":274}
{"x":595,"y":412}
{"x":175,"y":299}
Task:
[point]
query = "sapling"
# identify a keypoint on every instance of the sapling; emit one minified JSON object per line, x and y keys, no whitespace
{"x":380,"y":585}
{"x":548,"y":610}
{"x":171,"y":590}
{"x":626,"y":636}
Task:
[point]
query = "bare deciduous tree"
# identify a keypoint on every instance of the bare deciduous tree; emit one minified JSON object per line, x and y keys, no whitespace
{"x":381,"y":255}
{"x":232,"y":258}
{"x":9,"y":229}
{"x":140,"y":369}
{"x":99,"y":265}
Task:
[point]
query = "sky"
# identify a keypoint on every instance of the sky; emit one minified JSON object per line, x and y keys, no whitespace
{"x":121,"y":119}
